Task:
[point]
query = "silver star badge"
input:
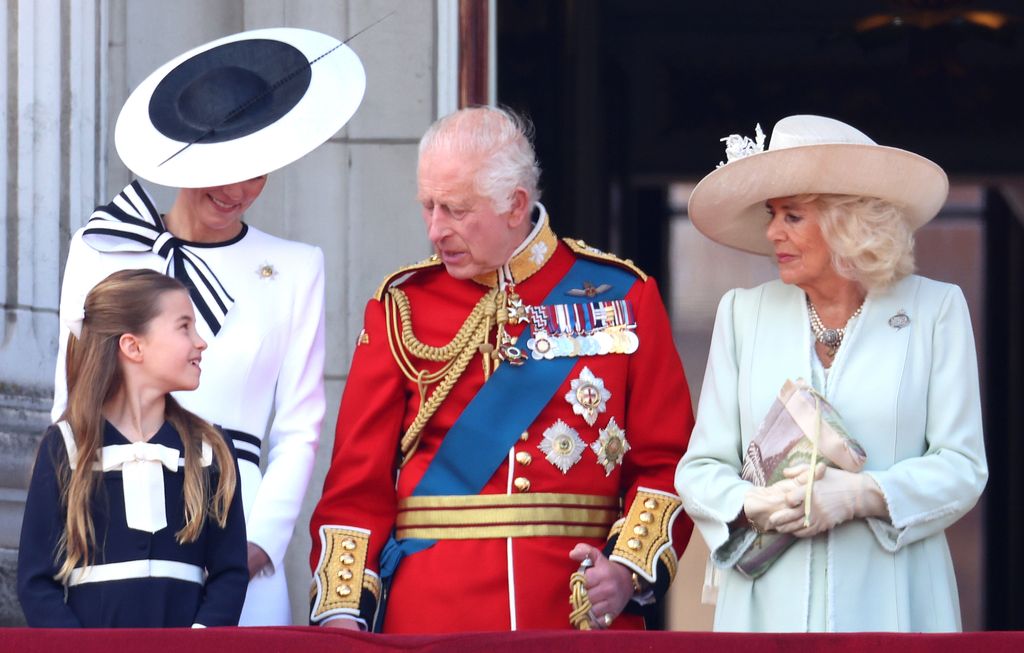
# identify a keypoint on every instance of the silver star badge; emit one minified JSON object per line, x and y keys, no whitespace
{"x":588,"y":396}
{"x":611,"y":447}
{"x":562,"y":446}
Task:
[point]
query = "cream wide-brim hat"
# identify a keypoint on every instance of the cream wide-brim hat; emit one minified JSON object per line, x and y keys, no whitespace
{"x":811,"y":154}
{"x":239,"y":107}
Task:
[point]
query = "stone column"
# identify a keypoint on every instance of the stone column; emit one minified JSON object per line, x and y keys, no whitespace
{"x":51,"y":120}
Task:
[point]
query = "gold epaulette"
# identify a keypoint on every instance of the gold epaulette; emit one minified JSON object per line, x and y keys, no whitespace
{"x":432,"y":261}
{"x":586,"y":251}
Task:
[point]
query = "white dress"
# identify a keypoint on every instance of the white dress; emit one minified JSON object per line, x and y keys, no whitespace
{"x":262,"y":375}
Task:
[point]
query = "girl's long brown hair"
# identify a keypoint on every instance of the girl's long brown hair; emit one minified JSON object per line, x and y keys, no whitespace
{"x":126,"y":302}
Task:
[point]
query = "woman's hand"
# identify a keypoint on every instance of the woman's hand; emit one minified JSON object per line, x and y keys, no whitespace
{"x":761,"y":503}
{"x":836,"y":497}
{"x":609,"y":584}
{"x":258,"y":559}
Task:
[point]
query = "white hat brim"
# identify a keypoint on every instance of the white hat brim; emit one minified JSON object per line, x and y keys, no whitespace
{"x":728,"y":205}
{"x":336,"y":88}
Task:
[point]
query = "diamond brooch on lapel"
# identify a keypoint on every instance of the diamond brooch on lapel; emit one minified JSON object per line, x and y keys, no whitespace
{"x":899,"y":320}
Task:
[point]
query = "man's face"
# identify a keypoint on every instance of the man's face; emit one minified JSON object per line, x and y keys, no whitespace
{"x":467,"y":233}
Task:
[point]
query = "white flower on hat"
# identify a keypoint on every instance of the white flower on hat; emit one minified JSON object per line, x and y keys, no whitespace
{"x":739,"y":147}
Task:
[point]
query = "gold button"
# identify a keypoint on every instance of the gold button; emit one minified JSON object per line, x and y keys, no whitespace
{"x":344,"y":590}
{"x":650,"y":504}
{"x":523,"y":458}
{"x":524,"y":436}
{"x":345,"y":574}
{"x":646,"y":517}
{"x":640,"y":530}
{"x":347,"y":559}
{"x":522,"y":484}
{"x":633,"y":544}
{"x":348,"y":544}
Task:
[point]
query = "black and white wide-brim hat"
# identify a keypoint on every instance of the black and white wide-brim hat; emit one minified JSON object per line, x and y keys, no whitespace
{"x":239,"y":107}
{"x":809,"y":155}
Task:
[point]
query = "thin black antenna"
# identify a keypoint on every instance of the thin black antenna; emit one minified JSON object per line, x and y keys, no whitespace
{"x":284,"y":80}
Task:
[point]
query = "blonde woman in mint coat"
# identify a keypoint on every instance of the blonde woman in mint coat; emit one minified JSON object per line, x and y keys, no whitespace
{"x":891,"y":351}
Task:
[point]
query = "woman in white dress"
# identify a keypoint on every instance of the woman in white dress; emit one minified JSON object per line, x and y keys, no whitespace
{"x":214,"y":122}
{"x":891,"y":351}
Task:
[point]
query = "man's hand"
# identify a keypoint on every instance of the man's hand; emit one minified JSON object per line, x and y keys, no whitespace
{"x":609,"y":584}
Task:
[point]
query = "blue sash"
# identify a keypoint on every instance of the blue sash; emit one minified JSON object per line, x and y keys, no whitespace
{"x":477,"y":444}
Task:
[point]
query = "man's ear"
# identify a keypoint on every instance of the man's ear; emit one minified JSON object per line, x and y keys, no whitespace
{"x":130,"y":347}
{"x":520,"y":209}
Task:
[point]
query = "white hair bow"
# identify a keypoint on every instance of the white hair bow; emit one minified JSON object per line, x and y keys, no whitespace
{"x":73,"y":319}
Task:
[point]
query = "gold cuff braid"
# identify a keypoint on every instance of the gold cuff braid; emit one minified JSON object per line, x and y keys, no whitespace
{"x":341,"y":576}
{"x":646,"y":534}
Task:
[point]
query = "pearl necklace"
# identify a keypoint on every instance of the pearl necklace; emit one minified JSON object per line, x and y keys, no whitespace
{"x":831,"y":338}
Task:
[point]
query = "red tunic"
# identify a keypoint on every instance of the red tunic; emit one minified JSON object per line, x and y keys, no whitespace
{"x":492,"y":583}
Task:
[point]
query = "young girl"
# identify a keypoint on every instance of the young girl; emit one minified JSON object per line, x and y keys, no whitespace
{"x":134,"y":515}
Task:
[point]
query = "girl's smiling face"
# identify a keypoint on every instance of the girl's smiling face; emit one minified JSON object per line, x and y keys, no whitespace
{"x":171,"y":348}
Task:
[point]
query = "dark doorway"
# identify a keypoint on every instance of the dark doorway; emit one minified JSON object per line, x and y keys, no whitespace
{"x":631,"y":97}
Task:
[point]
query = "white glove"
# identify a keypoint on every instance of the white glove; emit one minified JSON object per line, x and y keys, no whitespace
{"x":760,"y":503}
{"x":836,"y":497}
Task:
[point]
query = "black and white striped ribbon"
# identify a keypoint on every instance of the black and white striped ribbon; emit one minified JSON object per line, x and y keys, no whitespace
{"x":130,"y":223}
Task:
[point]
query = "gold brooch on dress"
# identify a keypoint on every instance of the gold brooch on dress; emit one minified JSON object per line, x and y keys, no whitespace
{"x":266,"y":271}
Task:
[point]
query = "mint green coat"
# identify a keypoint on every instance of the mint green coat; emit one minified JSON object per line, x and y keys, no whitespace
{"x":909,"y":396}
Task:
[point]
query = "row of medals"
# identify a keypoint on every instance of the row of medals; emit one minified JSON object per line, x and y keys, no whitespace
{"x":569,"y":337}
{"x":615,"y":340}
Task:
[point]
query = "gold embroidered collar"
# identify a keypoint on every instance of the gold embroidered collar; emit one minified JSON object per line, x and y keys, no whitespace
{"x":531,"y":255}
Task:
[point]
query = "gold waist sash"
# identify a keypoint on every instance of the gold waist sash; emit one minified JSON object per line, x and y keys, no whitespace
{"x":506,"y":515}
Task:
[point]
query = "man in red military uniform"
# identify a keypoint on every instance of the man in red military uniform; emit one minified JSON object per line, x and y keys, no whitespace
{"x":514,"y":413}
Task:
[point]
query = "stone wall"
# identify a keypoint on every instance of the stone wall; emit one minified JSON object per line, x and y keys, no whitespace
{"x":70,"y":66}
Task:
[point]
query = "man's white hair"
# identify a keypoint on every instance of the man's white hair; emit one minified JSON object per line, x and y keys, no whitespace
{"x":502,"y":140}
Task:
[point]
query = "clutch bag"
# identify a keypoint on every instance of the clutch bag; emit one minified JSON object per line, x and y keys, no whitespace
{"x":798,"y":417}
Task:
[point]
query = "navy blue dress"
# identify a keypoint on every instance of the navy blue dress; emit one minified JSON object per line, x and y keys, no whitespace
{"x":129,"y":602}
